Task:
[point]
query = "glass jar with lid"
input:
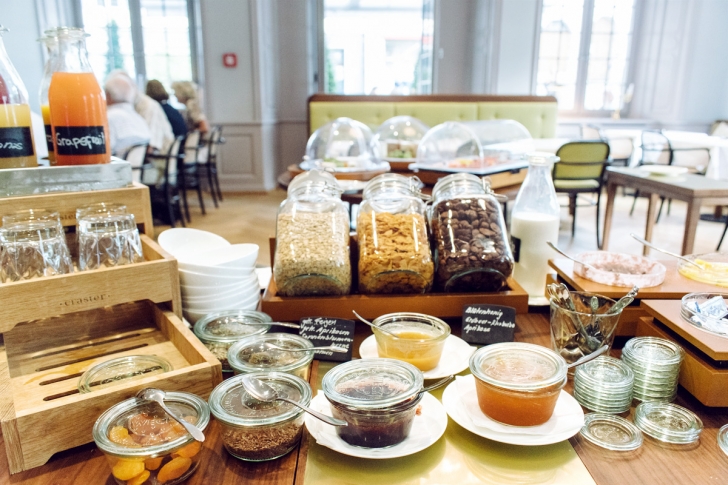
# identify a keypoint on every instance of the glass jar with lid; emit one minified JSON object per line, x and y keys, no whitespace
{"x":312,"y":238}
{"x":397,"y":139}
{"x":268,"y":353}
{"x":471,"y":240}
{"x":220,"y":330}
{"x":144,"y":445}
{"x":394,"y":250}
{"x":122,"y":370}
{"x":259,"y":431}
{"x":378,"y":399}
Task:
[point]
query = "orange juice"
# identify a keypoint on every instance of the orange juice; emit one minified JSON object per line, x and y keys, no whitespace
{"x":16,"y":137}
{"x":46,"y":112}
{"x":78,"y":119}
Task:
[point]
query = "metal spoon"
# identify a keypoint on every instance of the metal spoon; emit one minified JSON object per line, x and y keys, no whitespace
{"x":283,"y":324}
{"x":332,"y":348}
{"x":157,"y":395}
{"x":650,"y":245}
{"x":624,"y":301}
{"x":381,"y":329}
{"x":552,"y":246}
{"x":563,"y":292}
{"x":589,"y":357}
{"x":263,"y":392}
{"x":437,"y":384}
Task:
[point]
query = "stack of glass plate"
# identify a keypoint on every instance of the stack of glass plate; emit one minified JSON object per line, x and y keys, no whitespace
{"x":668,"y":422}
{"x":655,"y":363}
{"x":611,"y":432}
{"x":604,"y":385}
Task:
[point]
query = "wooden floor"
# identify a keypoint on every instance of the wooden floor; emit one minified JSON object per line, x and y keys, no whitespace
{"x":250,"y":218}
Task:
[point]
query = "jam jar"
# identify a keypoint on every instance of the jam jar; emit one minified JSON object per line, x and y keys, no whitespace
{"x":378,"y":398}
{"x":412,"y":337}
{"x":266,"y":353}
{"x":471,"y":240}
{"x":145,"y":446}
{"x":394,"y":250}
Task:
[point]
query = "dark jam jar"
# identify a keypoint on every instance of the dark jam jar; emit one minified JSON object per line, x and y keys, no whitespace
{"x":378,"y":398}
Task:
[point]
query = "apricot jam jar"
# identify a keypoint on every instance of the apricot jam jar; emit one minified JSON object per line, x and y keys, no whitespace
{"x":518,"y":383}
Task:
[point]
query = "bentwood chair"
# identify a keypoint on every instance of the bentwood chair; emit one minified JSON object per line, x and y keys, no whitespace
{"x":136,"y":155}
{"x":161,"y":174}
{"x":581,"y":171}
{"x":189,"y":171}
{"x":207,"y":160}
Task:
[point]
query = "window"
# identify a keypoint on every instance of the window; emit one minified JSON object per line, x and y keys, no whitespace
{"x":157,"y":31}
{"x":377,"y":46}
{"x":584,"y":54}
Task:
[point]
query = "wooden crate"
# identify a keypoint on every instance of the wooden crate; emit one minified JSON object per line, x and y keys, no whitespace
{"x":42,"y":412}
{"x":155,"y":279}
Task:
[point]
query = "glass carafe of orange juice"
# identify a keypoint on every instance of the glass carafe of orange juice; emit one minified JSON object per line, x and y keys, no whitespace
{"x":77,"y":103}
{"x":16,"y":135}
{"x":50,"y":41}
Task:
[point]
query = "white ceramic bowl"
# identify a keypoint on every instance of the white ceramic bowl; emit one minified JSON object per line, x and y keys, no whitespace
{"x":193,"y":314}
{"x":215,"y":270}
{"x":183,"y":240}
{"x":233,"y":256}
{"x":217,"y":293}
{"x":192,"y":278}
{"x":239,"y":293}
{"x":225,"y":302}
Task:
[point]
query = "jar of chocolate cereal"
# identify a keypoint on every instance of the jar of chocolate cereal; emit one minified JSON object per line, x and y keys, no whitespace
{"x":312,"y":238}
{"x":394,"y":250}
{"x":473,"y":252}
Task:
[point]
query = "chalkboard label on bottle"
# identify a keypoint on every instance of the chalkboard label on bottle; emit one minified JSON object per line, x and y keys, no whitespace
{"x":49,"y":137}
{"x":322,"y":331}
{"x":516,"y":248}
{"x":15,"y":142}
{"x":80,"y":140}
{"x":488,"y":324}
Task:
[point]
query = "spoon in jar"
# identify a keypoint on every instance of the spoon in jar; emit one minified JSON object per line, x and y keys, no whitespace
{"x":586,"y":358}
{"x":553,"y":246}
{"x":263,"y":392}
{"x":157,"y":395}
{"x":437,"y":384}
{"x":332,"y":348}
{"x":650,"y":245}
{"x":381,"y":329}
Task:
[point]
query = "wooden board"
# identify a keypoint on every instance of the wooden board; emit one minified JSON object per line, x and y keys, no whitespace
{"x":364,"y":175}
{"x":668,"y":313}
{"x":498,"y":180}
{"x":47,"y":414}
{"x":135,"y":198}
{"x":700,"y":376}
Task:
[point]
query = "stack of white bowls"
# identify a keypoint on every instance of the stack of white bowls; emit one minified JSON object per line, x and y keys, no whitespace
{"x":214,"y":274}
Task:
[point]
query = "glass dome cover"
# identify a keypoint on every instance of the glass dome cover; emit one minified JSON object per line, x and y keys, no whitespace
{"x":502,"y":140}
{"x":397,"y":139}
{"x":450,"y":145}
{"x":340,"y":145}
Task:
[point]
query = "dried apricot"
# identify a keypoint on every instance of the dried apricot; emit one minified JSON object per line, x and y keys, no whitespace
{"x":153,"y":463}
{"x":140,"y":479}
{"x":127,"y":469}
{"x":174,"y":469}
{"x":120,"y":435}
{"x":190,"y":450}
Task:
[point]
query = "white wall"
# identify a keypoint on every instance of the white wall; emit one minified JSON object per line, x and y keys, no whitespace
{"x":453,"y":49}
{"x":516,"y":46}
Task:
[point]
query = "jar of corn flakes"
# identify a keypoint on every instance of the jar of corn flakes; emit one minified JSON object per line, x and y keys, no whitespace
{"x":394,"y":251}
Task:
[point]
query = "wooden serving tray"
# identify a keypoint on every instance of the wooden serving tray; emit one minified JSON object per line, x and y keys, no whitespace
{"x":365,"y":175}
{"x":42,"y":411}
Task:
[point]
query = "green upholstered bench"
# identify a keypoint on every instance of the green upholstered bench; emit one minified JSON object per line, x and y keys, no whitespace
{"x":536,"y":113}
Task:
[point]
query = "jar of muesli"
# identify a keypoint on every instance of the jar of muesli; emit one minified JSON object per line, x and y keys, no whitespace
{"x":394,"y":251}
{"x":473,"y":252}
{"x":312,"y":238}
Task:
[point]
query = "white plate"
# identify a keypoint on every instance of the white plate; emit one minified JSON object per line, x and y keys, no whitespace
{"x":427,"y":428}
{"x":664,"y":170}
{"x":459,"y":405}
{"x":455,"y":356}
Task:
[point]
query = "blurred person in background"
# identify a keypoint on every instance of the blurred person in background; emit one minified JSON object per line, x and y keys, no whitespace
{"x":156,"y":91}
{"x":126,"y":127}
{"x":162,"y":136}
{"x":186,"y":93}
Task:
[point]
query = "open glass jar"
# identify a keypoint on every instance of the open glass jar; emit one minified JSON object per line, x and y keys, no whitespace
{"x":394,"y":251}
{"x":253,"y":430}
{"x":473,"y":250}
{"x":259,"y":353}
{"x":312,"y":238}
{"x":378,"y":398}
{"x":145,"y":446}
{"x":418,"y":339}
{"x":220,"y":330}
{"x":518,"y":383}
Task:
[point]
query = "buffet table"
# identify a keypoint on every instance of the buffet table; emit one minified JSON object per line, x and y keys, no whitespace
{"x":458,"y":457}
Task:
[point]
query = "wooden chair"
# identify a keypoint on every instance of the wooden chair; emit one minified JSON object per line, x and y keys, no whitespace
{"x":581,"y":171}
{"x":160,"y":173}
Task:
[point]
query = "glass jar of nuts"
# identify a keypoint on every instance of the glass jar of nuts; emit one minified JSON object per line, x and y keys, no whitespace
{"x":473,"y":250}
{"x":394,"y":251}
{"x":312,"y":238}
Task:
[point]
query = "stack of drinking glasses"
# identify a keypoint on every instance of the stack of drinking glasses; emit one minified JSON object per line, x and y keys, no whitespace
{"x":655,"y":363}
{"x":32,"y":244}
{"x":604,"y":385}
{"x":107,"y":236}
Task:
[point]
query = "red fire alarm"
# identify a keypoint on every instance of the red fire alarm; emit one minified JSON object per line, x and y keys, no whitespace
{"x":229,"y":59}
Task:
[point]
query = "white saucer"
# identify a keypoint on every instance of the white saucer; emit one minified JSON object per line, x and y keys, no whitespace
{"x":455,"y":356}
{"x":427,"y":428}
{"x":459,"y":399}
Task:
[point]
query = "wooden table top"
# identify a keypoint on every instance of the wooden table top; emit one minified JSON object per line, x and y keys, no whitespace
{"x":653,"y":463}
{"x":682,"y":187}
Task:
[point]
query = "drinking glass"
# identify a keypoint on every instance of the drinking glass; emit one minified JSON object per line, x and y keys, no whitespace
{"x":107,"y":236}
{"x":32,"y":248}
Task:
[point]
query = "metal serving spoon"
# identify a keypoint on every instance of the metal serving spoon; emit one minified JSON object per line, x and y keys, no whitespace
{"x":650,"y":245}
{"x":624,"y":301}
{"x":332,"y":348}
{"x":381,"y":329}
{"x":157,"y":395}
{"x":586,"y":358}
{"x":263,"y":392}
{"x":553,"y":246}
{"x":437,"y":384}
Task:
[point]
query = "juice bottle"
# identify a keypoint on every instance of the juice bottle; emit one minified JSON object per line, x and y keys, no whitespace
{"x":50,"y":41}
{"x":16,"y":135}
{"x":77,"y":104}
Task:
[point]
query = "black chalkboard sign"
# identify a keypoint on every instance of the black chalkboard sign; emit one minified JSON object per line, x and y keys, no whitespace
{"x":322,"y":331}
{"x":488,"y":324}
